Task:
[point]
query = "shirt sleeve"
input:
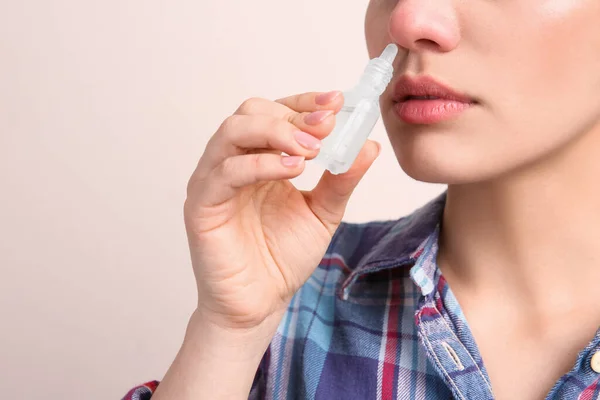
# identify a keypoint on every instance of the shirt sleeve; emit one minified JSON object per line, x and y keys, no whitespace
{"x":142,"y":392}
{"x":257,"y":392}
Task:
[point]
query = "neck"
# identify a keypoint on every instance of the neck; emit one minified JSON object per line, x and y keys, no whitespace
{"x":531,"y":237}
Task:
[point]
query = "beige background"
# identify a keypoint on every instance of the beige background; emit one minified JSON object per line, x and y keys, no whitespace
{"x":105,"y":108}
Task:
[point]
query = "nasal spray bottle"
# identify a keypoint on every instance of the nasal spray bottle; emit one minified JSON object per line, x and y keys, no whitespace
{"x":358,"y":116}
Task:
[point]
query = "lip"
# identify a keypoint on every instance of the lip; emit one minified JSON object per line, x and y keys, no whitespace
{"x":449,"y":103}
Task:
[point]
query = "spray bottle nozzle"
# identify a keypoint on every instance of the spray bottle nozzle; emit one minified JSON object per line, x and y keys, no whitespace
{"x":389,"y":53}
{"x":379,"y":70}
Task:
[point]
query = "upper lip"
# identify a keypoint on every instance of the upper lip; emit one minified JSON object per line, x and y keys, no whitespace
{"x":426,"y":86}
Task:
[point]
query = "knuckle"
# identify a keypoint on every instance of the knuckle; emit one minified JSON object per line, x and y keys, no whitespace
{"x":293,"y":117}
{"x":291,"y":102}
{"x":294,"y":102}
{"x":250,"y":106}
{"x":226,"y":168}
{"x":256,"y":161}
{"x":229,"y":124}
{"x":273,"y":129}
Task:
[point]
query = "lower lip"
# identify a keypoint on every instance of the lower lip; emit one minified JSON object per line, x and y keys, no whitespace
{"x":429,"y":111}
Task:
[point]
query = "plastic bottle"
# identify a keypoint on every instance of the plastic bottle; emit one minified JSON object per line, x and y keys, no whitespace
{"x":358,"y":116}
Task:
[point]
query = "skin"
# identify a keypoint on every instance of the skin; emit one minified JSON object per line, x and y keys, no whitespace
{"x":522,"y":168}
{"x":520,"y":228}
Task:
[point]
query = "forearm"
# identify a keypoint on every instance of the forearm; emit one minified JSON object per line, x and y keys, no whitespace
{"x":215,"y":363}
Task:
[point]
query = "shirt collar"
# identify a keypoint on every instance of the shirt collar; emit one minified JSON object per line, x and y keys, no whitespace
{"x":411,"y":240}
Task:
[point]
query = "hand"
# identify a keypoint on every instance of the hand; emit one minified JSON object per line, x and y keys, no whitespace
{"x":254,"y":238}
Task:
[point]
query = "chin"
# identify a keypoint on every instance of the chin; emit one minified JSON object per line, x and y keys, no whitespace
{"x":440,"y":164}
{"x":434,"y":173}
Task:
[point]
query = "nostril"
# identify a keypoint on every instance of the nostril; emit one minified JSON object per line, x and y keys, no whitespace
{"x":427,"y":44}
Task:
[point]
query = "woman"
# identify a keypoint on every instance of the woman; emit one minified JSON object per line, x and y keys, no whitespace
{"x":489,"y":291}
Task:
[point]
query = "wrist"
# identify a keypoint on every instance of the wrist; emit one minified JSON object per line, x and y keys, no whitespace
{"x":229,"y":343}
{"x":215,"y":362}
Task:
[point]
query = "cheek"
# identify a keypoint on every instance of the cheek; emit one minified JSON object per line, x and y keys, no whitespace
{"x":550,"y":89}
{"x":376,"y":27}
{"x":372,"y":28}
{"x":565,"y":44}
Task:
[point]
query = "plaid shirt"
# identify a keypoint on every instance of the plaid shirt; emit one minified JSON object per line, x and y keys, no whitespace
{"x":377,"y":320}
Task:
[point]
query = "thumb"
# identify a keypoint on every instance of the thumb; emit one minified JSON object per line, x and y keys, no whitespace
{"x":329,"y":198}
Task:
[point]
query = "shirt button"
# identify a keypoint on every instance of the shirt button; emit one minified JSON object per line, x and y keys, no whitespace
{"x":596,"y":362}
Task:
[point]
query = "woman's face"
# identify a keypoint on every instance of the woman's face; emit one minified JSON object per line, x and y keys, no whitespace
{"x":533,"y":66}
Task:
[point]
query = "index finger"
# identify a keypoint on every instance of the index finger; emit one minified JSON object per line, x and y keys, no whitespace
{"x":314,"y":101}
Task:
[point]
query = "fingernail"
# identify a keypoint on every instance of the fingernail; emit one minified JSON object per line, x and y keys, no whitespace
{"x":291,"y":161}
{"x":326,"y":98}
{"x":307,"y":140}
{"x":317,"y":117}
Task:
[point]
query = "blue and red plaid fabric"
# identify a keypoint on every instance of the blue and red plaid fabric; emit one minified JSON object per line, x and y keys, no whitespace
{"x":377,"y":320}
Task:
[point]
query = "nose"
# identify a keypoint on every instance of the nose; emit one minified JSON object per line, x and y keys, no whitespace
{"x":419,"y":25}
